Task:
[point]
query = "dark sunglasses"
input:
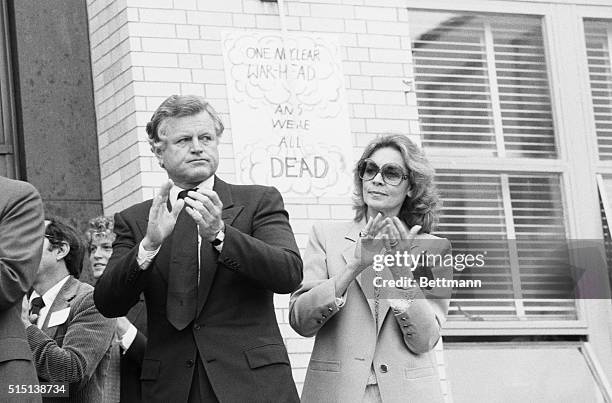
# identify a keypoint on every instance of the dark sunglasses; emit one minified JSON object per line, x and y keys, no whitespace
{"x":392,"y":174}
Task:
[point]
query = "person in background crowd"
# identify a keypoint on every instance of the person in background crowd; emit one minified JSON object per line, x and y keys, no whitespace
{"x":208,"y":271}
{"x":69,"y":339}
{"x":369,"y":347}
{"x":21,"y":240}
{"x":131,"y":329}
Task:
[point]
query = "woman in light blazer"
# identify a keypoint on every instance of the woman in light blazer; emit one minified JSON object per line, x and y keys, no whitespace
{"x":374,"y":340}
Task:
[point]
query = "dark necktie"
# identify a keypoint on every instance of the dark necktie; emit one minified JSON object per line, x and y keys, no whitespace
{"x":36,"y":305}
{"x":182,"y":294}
{"x":183,"y":193}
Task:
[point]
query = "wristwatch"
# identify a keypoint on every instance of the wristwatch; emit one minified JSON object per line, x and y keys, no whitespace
{"x":219,"y":238}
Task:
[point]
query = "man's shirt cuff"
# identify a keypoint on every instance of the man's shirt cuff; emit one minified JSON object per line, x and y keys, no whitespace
{"x":145,"y":257}
{"x":128,"y":338}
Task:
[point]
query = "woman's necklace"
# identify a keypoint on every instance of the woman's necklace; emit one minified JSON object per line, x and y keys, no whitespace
{"x":376,"y":306}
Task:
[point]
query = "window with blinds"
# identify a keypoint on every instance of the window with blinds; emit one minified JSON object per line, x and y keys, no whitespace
{"x":482,"y":84}
{"x":598,"y":36}
{"x":516,"y":219}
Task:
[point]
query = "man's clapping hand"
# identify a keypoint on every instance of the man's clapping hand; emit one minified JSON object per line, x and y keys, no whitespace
{"x":161,"y":220}
{"x":205,"y":207}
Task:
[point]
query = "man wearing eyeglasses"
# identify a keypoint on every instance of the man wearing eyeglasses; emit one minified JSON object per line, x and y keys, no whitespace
{"x":69,"y":338}
{"x":21,"y":229}
{"x":208,"y":256}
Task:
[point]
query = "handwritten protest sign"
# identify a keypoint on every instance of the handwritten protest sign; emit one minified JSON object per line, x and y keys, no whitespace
{"x":288,"y":111}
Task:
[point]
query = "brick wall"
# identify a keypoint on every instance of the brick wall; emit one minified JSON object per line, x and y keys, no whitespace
{"x":145,"y":50}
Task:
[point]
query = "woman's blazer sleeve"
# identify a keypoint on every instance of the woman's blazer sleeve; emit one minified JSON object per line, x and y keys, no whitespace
{"x":314,"y":302}
{"x":421,"y":322}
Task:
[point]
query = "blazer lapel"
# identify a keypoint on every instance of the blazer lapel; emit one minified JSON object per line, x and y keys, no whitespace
{"x":365,"y":278}
{"x":351,"y":238}
{"x":62,"y":301}
{"x":208,"y":254}
{"x":350,"y":242}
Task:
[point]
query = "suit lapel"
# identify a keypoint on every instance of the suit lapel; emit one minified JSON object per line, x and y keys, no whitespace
{"x":62,"y":301}
{"x":208,"y":254}
{"x":348,"y":253}
{"x":364,"y":279}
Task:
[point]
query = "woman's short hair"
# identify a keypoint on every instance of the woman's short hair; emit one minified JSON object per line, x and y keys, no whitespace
{"x":423,"y":205}
{"x":100,"y":229}
{"x":58,"y":232}
{"x":176,"y":106}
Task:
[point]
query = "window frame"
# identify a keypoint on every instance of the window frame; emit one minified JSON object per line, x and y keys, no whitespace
{"x":9,"y":150}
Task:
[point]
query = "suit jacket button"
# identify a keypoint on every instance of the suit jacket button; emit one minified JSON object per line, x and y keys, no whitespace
{"x":189,"y":363}
{"x":196,"y":326}
{"x":319,"y":321}
{"x":383,"y":368}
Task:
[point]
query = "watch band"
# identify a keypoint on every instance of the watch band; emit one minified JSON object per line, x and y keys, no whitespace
{"x":219,"y":238}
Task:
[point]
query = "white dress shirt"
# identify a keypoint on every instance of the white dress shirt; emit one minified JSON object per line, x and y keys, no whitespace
{"x":48,"y":299}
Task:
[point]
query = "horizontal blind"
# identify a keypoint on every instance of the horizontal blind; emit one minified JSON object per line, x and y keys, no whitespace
{"x":482,"y":84}
{"x":598,"y":36}
{"x":543,"y":259}
{"x":523,"y":278}
{"x":473,"y":219}
{"x":452,"y":83}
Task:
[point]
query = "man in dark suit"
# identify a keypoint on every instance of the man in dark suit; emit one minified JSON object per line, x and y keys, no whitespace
{"x":123,"y":382}
{"x":212,"y":331}
{"x":70,"y":340}
{"x":21,"y":239}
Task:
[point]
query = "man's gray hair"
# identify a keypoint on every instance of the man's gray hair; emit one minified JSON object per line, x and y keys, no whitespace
{"x":178,"y":106}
